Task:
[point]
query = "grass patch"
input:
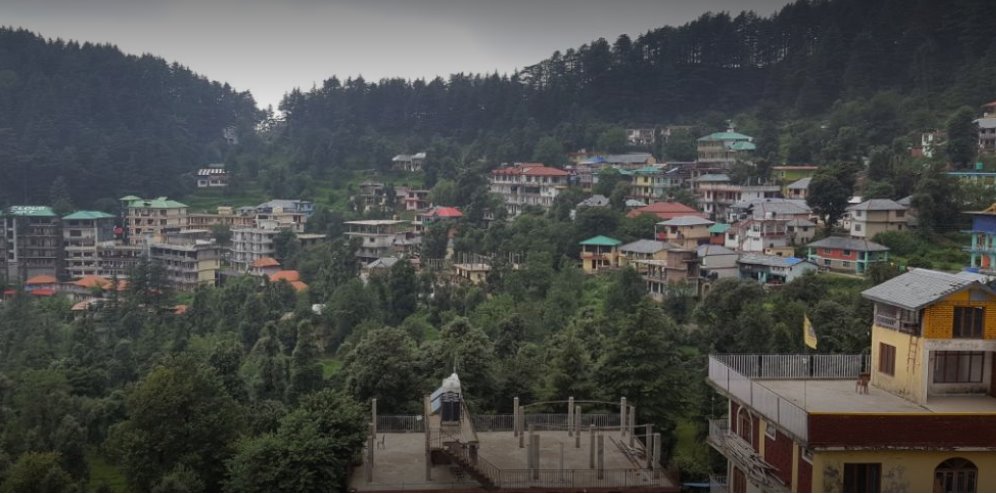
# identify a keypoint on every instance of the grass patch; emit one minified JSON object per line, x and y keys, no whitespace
{"x":330,"y":366}
{"x":104,"y":475}
{"x":208,"y":200}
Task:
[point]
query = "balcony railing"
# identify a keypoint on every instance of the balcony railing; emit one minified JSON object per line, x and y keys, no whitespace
{"x":717,"y":483}
{"x":739,"y":375}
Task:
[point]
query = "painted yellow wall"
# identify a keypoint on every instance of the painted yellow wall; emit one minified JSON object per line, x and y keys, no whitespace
{"x":938,"y":317}
{"x":902,"y":471}
{"x":909,"y":376}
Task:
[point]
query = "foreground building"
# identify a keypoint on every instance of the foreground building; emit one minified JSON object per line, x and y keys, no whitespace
{"x":31,"y":243}
{"x":595,"y":446}
{"x":917,"y":415}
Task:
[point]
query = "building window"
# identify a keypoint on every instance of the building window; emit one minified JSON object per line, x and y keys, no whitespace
{"x":968,"y":322}
{"x":955,"y":475}
{"x":862,"y":477}
{"x":847,"y":252}
{"x":846,"y":264}
{"x":900,"y":213}
{"x":857,"y":227}
{"x":770,"y":432}
{"x":958,"y":367}
{"x":887,"y":359}
{"x":826,"y":262}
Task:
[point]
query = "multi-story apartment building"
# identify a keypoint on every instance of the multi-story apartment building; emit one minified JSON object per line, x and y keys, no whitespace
{"x":117,"y":259}
{"x":875,"y":216}
{"x":987,"y":128}
{"x":252,"y":244}
{"x":716,"y":193}
{"x":214,"y":176}
{"x":528,"y":184}
{"x":686,"y":232}
{"x":225,"y":216}
{"x":377,"y":238}
{"x":82,"y":234}
{"x":148,"y":220}
{"x":919,"y":415}
{"x":649,"y":183}
{"x":292,"y":213}
{"x":598,"y":253}
{"x":725,"y":147}
{"x":190,"y":259}
{"x":847,"y":254}
{"x":31,"y":243}
{"x":676,"y":266}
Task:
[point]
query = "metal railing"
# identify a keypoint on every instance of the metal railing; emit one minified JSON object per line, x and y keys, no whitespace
{"x":481,"y":465}
{"x":718,"y":429}
{"x":543,"y":421}
{"x":717,"y":483}
{"x":783,"y":412}
{"x":793,"y":366}
{"x":400,"y":423}
{"x":593,"y":479}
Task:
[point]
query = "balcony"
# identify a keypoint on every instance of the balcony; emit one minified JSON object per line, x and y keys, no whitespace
{"x":717,"y":483}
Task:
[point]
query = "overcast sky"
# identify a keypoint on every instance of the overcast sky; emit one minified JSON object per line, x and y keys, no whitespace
{"x":270,"y":47}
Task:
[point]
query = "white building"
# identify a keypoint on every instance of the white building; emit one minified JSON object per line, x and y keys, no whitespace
{"x":212,"y":177}
{"x":252,"y":244}
{"x":377,"y":238}
{"x":528,"y":184}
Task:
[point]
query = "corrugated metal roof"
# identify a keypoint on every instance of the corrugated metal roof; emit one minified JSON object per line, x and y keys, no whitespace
{"x":686,"y":221}
{"x":766,"y":260}
{"x":601,"y":240}
{"x":919,"y":287}
{"x":29,"y":211}
{"x":849,"y":243}
{"x":88,"y":215}
{"x":644,"y":246}
{"x":877,"y":205}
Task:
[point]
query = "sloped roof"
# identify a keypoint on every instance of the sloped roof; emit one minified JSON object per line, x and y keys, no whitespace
{"x":667,"y":207}
{"x":726,"y":136}
{"x":644,"y":246}
{"x":635,"y":203}
{"x":130,"y":198}
{"x":203,"y":172}
{"x":42,"y":279}
{"x":712,"y":250}
{"x":601,"y":240}
{"x":802,"y":183}
{"x":158,"y":203}
{"x":265,"y":262}
{"x":299,"y":286}
{"x":88,"y":215}
{"x":780,"y":207}
{"x":287,"y":275}
{"x":877,"y":205}
{"x":94,"y":281}
{"x":719,"y":228}
{"x":29,"y":211}
{"x":628,"y":158}
{"x":531,"y":169}
{"x":687,"y":221}
{"x":766,"y":260}
{"x":382,"y":263}
{"x":742,"y":146}
{"x":849,"y":244}
{"x":445,"y":212}
{"x":919,"y":287}
{"x":595,"y":201}
{"x":906,"y":201}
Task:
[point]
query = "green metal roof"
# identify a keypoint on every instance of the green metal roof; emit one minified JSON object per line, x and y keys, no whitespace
{"x":130,"y":198}
{"x":88,"y":215}
{"x":602,"y":241}
{"x":726,"y":136}
{"x":743,"y":146}
{"x":157,"y":203}
{"x":649,"y":170}
{"x":719,"y":228}
{"x":29,"y":211}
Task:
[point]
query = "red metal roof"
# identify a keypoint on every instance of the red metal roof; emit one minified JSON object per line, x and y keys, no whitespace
{"x":93,"y":281}
{"x":531,"y":169}
{"x":43,"y":292}
{"x":446,"y":212}
{"x":42,"y":279}
{"x":290,"y":276}
{"x":265,"y":262}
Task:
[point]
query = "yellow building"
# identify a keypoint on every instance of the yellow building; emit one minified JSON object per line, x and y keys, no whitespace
{"x":686,"y":232}
{"x":150,"y":219}
{"x":598,"y":253}
{"x":917,"y":415}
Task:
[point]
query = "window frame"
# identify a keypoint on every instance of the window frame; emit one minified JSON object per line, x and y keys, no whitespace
{"x":862,"y":477}
{"x":948,"y":367}
{"x":887,"y":359}
{"x":968,"y":322}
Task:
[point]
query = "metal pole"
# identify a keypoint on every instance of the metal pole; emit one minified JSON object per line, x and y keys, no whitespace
{"x":373,"y":411}
{"x":426,"y":412}
{"x":647,"y":444}
{"x":515,"y":417}
{"x":534,"y":442}
{"x":370,"y":457}
{"x":622,"y":416}
{"x":591,"y":449}
{"x":601,"y":456}
{"x":561,"y":462}
{"x":632,"y":426}
{"x":657,"y":450}
{"x":577,"y":426}
{"x":570,"y":416}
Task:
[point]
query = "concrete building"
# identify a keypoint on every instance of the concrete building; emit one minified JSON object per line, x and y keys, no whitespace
{"x":599,"y":253}
{"x":408,"y":162}
{"x":649,"y":183}
{"x":725,"y":147}
{"x":849,"y":255}
{"x":82,"y":234}
{"x":785,"y":174}
{"x":251,"y":244}
{"x":528,"y":184}
{"x":982,"y":249}
{"x":148,"y":220}
{"x":875,"y":216}
{"x":474,"y":273}
{"x":288,"y":213}
{"x":800,"y":232}
{"x":678,"y":267}
{"x":686,"y":232}
{"x":987,"y":128}
{"x":190,"y":259}
{"x":214,"y":176}
{"x":377,"y":238}
{"x":717,"y":262}
{"x":31,"y":243}
{"x":666,"y":211}
{"x":773,"y":270}
{"x":450,"y":448}
{"x":716,"y":193}
{"x":798,"y":189}
{"x":224,"y":216}
{"x":917,"y":416}
{"x":641,"y":250}
{"x":117,"y":259}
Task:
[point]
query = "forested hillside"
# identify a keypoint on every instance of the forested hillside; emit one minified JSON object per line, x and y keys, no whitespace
{"x":794,"y":80}
{"x":104,"y":121}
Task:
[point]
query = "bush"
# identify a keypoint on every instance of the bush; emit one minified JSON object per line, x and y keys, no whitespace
{"x":903,"y":243}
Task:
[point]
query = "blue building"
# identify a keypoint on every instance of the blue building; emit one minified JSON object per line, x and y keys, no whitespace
{"x":982,"y":249}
